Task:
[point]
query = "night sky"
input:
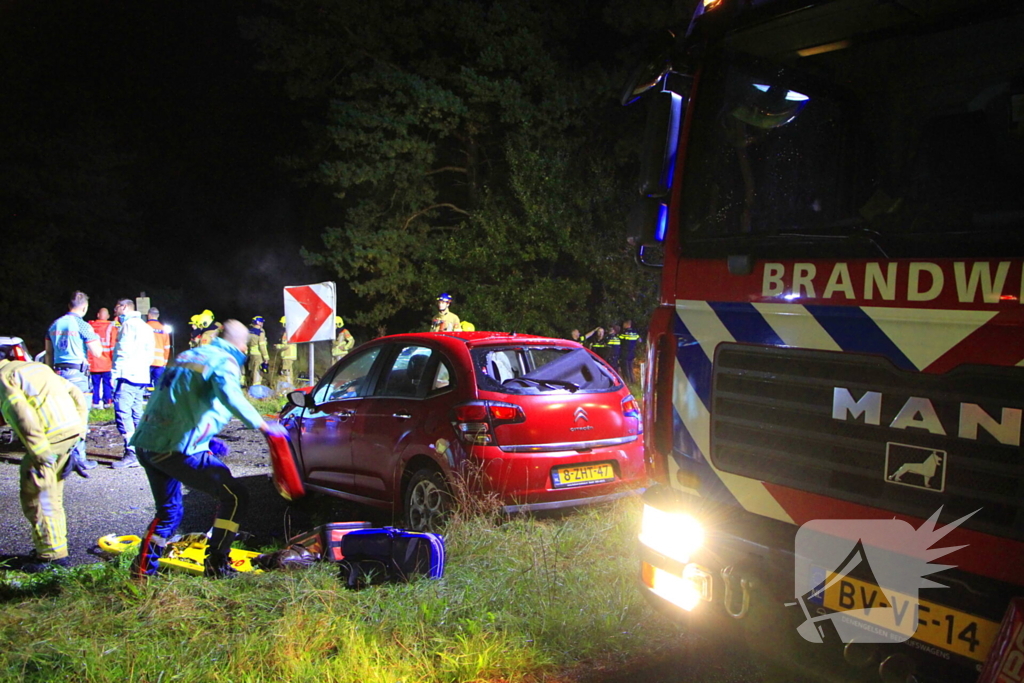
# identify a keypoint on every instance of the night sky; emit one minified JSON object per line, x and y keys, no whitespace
{"x":210,"y":219}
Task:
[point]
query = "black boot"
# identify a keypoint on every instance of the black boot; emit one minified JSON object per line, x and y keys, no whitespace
{"x":218,"y":566}
{"x":36,"y":564}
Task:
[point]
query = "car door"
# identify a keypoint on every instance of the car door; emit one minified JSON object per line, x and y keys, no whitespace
{"x":326,"y":427}
{"x":407,"y":413}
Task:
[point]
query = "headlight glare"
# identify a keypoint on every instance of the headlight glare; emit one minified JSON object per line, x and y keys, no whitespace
{"x":674,"y":534}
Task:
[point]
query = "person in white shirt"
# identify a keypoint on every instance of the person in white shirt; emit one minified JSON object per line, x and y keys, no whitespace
{"x":133,"y":354}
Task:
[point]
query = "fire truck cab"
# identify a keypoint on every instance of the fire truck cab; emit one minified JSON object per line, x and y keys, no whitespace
{"x":835,"y":382}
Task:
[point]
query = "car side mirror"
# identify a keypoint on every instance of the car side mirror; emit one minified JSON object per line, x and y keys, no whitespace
{"x":300,"y":398}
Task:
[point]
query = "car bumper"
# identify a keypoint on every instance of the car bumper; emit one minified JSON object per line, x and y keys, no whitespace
{"x":524,"y":481}
{"x":571,"y":503}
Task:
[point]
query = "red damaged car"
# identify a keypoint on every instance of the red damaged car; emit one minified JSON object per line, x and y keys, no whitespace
{"x":544,"y":423}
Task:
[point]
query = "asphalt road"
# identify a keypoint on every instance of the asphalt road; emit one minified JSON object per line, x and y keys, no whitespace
{"x":120,"y":502}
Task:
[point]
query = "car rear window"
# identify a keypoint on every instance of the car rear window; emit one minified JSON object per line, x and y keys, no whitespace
{"x":540,"y":370}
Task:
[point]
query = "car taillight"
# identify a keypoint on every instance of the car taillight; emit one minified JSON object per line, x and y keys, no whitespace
{"x":475,"y":422}
{"x":630,"y":408}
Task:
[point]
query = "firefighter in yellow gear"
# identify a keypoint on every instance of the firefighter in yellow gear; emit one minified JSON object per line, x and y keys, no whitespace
{"x":288,"y":353}
{"x":344,"y":342}
{"x":50,"y":416}
{"x":444,"y":320}
{"x":204,"y":329}
{"x":258,"y":358}
{"x":195,"y":329}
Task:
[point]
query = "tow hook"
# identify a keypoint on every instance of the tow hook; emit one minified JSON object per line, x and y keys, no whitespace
{"x":730,"y":577}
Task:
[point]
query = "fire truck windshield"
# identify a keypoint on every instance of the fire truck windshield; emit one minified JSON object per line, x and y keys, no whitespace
{"x":905,"y":145}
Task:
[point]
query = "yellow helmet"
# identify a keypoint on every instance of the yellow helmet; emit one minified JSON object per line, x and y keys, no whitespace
{"x":206,"y":318}
{"x":468,"y":326}
{"x":338,"y":322}
{"x":282,"y":319}
{"x":196,"y":320}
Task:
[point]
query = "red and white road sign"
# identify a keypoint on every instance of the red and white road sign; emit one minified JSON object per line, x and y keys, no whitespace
{"x":309,"y":312}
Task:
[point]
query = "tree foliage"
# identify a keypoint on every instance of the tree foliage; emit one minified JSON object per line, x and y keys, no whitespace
{"x":473,"y":147}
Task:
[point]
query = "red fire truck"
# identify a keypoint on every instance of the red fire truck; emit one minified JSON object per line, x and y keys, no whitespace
{"x":829,"y":188}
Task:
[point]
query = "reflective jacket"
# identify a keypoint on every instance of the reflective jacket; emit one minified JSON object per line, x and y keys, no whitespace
{"x":342,"y":344}
{"x":257,"y":346}
{"x":198,"y":395}
{"x":41,"y":406}
{"x":162,"y":343}
{"x":628,"y":339}
{"x":288,"y":351}
{"x":446,"y":322}
{"x":107,"y":332}
{"x":133,"y":351}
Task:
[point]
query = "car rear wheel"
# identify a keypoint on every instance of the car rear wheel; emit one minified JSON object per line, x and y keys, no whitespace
{"x":427,"y":501}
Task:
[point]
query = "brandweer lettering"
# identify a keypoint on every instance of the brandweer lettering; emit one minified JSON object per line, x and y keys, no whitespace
{"x":914,"y":281}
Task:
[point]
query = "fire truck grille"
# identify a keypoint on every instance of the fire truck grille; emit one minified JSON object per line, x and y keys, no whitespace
{"x":856,"y":428}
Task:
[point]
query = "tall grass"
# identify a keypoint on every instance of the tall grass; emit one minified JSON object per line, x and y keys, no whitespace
{"x":519,"y":602}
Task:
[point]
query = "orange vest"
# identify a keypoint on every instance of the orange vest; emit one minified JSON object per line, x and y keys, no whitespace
{"x":107,"y":333}
{"x":162,"y":349}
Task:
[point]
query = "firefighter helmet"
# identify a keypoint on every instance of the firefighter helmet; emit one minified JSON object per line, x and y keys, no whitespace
{"x":282,"y":319}
{"x":468,"y":326}
{"x":338,"y":321}
{"x":444,"y":296}
{"x":257,"y":319}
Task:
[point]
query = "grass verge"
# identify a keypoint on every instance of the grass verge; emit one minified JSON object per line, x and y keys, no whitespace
{"x":520,"y":601}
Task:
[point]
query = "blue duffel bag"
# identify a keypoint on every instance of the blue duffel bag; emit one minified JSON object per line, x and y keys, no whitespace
{"x":390,"y":555}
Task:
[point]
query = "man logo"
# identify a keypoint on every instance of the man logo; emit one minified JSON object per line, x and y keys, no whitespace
{"x":919,"y":468}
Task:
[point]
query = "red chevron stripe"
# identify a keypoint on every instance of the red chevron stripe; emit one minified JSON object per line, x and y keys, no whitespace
{"x":1000,"y":341}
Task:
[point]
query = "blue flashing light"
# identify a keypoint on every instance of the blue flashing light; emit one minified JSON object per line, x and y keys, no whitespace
{"x":672,"y":146}
{"x":762,"y":88}
{"x":794,"y":96}
{"x":662,"y":227}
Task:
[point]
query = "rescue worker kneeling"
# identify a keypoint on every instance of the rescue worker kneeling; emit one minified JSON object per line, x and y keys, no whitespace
{"x":50,"y":415}
{"x":197,"y":397}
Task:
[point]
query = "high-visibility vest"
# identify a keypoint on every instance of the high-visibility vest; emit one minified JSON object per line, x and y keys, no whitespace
{"x":107,"y":332}
{"x":162,"y":349}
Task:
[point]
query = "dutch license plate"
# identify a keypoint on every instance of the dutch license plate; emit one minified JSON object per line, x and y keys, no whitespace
{"x":937,"y":625}
{"x":582,"y":474}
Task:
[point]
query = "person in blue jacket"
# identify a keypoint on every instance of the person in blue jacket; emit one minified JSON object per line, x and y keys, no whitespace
{"x":197,"y":396}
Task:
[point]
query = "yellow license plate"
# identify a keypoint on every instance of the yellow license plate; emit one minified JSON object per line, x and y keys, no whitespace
{"x":582,"y":474}
{"x":937,"y":625}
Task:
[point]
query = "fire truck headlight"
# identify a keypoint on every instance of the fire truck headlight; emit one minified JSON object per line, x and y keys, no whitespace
{"x":686,"y":591}
{"x":674,"y":534}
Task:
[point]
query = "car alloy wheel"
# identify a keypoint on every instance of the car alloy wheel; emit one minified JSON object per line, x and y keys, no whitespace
{"x":427,"y":501}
